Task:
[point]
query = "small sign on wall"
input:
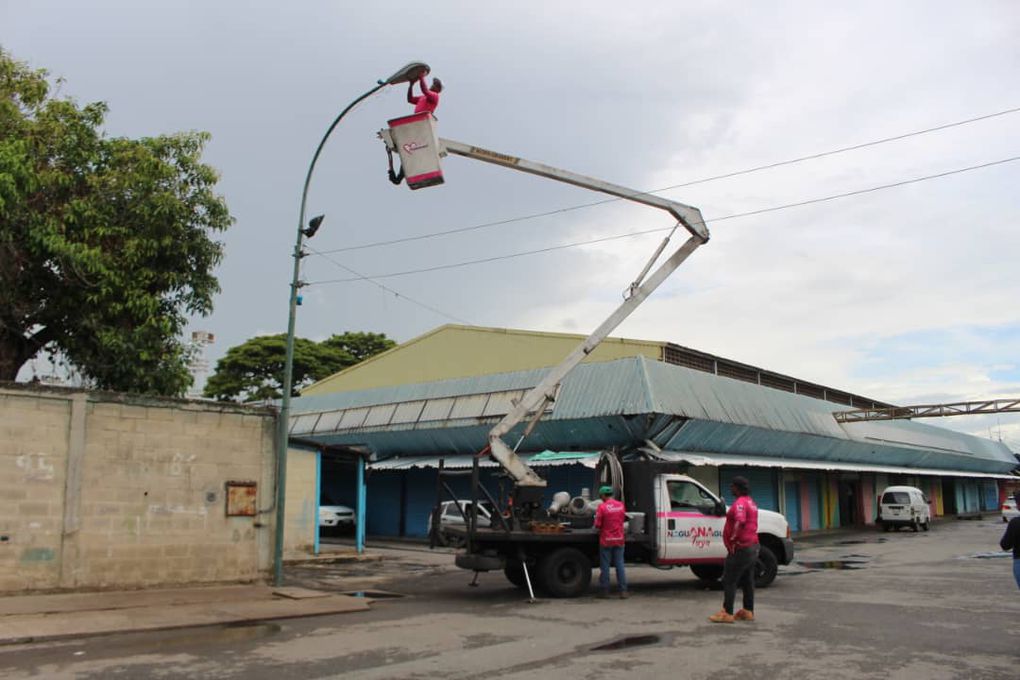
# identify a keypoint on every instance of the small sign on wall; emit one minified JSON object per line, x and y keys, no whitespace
{"x":241,"y":499}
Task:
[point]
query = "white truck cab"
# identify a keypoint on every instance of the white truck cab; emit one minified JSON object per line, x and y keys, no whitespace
{"x":690,"y":529}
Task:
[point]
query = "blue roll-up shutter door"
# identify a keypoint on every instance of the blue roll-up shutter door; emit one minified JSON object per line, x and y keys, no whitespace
{"x":763,"y":485}
{"x":793,"y":505}
{"x":421,"y":496}
{"x":991,"y":495}
{"x":382,"y":507}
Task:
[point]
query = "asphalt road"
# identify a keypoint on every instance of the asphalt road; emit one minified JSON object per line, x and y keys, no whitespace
{"x":855,"y":605}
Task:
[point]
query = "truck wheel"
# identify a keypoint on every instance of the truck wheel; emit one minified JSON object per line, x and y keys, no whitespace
{"x":766,"y":568}
{"x":514,"y":572}
{"x":565,"y":572}
{"x":915,"y":525}
{"x":707,"y":572}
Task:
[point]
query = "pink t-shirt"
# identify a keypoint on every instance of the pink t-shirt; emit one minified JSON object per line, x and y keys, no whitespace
{"x":741,"y":530}
{"x":428,"y":101}
{"x":609,"y":518}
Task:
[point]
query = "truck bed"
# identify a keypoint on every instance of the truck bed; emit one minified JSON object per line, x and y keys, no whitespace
{"x":569,"y":536}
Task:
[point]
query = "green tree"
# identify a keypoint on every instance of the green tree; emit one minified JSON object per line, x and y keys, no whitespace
{"x":253,"y":370}
{"x":105,"y":242}
{"x":360,"y":345}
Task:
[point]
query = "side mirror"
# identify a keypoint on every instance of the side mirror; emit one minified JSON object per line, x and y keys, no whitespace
{"x":720,"y":508}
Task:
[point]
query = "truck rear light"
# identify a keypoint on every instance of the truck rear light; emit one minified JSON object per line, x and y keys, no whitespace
{"x":787,"y":530}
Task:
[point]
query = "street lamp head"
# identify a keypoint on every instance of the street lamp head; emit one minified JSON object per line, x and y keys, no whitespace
{"x":408,"y":73}
{"x":313,"y":226}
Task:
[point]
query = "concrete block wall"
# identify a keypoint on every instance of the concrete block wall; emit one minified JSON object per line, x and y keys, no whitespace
{"x":301,"y":511}
{"x":107,"y":491}
{"x":33,"y":455}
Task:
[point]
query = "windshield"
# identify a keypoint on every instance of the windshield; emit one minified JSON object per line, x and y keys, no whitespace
{"x":685,"y":495}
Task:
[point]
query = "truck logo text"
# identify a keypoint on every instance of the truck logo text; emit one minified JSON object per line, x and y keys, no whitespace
{"x":701,"y":537}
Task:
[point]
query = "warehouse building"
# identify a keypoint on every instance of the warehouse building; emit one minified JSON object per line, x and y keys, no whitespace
{"x":380,"y":429}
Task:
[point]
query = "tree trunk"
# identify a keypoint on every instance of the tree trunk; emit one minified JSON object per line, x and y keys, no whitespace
{"x":15,"y":351}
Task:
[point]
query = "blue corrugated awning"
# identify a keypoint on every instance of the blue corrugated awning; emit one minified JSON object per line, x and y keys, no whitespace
{"x":717,"y":459}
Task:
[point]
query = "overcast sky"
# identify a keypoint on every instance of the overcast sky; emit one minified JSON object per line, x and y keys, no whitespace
{"x":908,"y":294}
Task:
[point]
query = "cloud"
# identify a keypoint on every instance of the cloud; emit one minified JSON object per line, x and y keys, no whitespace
{"x":861,"y":293}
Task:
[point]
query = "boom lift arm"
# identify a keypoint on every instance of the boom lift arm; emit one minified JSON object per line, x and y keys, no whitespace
{"x":535,"y":401}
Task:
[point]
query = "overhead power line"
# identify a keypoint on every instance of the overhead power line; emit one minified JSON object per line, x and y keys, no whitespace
{"x":369,"y":279}
{"x":703,"y":180}
{"x":631,"y":234}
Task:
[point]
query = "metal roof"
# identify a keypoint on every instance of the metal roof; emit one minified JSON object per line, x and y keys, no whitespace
{"x":717,"y":459}
{"x":624,"y":402}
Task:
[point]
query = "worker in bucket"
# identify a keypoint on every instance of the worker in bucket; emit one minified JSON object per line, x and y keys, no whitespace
{"x":740,"y":536}
{"x":429,"y":98}
{"x":609,"y":519}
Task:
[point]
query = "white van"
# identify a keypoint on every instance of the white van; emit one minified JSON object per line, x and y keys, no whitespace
{"x":904,"y":506}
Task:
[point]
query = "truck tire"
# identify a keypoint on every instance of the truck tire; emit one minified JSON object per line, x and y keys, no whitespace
{"x":514,"y":573}
{"x":766,"y":568}
{"x":707,"y":572}
{"x":565,"y":572}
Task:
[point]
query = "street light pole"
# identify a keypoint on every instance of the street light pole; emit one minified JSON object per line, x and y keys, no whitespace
{"x":408,"y":73}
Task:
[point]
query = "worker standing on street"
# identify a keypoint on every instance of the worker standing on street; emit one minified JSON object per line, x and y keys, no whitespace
{"x":1011,"y":541}
{"x":429,"y":98}
{"x":740,"y":536}
{"x":609,"y":519}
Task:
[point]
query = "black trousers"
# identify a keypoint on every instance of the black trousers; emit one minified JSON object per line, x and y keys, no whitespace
{"x":738,"y":570}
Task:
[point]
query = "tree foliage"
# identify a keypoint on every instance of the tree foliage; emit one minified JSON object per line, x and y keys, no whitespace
{"x":360,"y":345}
{"x":105,"y":242}
{"x":253,"y":370}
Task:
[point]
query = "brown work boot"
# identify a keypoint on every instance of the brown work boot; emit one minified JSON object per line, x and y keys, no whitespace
{"x":624,"y":594}
{"x":744,"y":615}
{"x":721,"y":617}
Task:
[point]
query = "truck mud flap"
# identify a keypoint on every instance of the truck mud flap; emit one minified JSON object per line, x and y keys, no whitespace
{"x":476,"y":562}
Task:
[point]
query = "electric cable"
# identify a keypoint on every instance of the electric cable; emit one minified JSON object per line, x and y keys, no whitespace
{"x":722,"y":218}
{"x":736,"y":173}
{"x":362,"y":277}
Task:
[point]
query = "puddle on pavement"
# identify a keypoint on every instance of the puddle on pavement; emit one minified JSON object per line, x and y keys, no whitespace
{"x":862,"y":541}
{"x":985,"y":556}
{"x":628,"y":642}
{"x":374,"y":594}
{"x":834,"y":564}
{"x":241,"y":631}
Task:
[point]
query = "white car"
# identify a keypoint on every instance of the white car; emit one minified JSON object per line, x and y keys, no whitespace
{"x":904,"y":506}
{"x":336,"y":516}
{"x":1009,"y":509}
{"x":450,"y":515}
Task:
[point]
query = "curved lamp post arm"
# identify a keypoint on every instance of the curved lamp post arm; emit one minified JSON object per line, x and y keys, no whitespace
{"x":408,"y":73}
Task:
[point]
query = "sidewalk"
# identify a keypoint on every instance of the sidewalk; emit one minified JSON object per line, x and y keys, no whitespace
{"x":36,"y":618}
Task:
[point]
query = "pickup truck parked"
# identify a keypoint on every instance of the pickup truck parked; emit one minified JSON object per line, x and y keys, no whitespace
{"x":673,"y":520}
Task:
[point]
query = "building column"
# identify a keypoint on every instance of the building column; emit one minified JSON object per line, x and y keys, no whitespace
{"x":359,"y":530}
{"x":318,"y":498}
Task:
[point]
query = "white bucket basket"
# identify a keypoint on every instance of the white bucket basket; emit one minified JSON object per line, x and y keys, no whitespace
{"x":414,"y":138}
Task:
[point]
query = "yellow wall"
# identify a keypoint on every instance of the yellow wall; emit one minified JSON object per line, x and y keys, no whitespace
{"x":454,"y":351}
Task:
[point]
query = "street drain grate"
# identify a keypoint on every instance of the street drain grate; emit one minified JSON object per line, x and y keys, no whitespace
{"x":628,"y":642}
